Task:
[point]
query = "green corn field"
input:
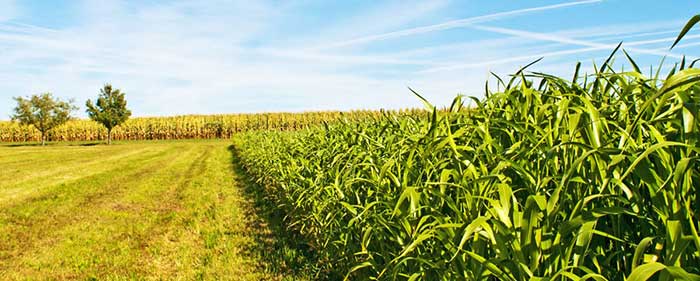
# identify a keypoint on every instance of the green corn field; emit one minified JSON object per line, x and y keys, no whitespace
{"x":592,"y":178}
{"x":590,"y":172}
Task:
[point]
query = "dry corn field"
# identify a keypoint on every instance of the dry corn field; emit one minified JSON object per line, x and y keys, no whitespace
{"x":184,"y":127}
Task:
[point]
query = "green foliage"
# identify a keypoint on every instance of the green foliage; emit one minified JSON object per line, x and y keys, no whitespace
{"x":42,"y":111}
{"x":547,"y":180}
{"x":692,"y":22}
{"x":110,"y":109}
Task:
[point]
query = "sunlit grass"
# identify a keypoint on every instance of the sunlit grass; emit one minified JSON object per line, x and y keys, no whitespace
{"x":130,"y":211}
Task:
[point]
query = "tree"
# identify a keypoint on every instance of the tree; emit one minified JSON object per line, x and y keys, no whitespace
{"x":43,"y":111}
{"x":110,"y":109}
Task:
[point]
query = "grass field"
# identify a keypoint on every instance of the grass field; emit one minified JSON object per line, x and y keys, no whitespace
{"x":138,"y":210}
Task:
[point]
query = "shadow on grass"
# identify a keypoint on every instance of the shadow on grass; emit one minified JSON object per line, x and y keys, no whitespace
{"x":90,"y":144}
{"x":38,"y":144}
{"x":284,"y":252}
{"x":23,"y":144}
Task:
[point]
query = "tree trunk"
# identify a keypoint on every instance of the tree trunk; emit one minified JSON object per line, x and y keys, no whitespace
{"x":109,"y":137}
{"x":43,"y":138}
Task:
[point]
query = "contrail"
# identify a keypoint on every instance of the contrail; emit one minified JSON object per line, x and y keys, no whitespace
{"x":510,"y":59}
{"x":347,"y":59}
{"x":660,"y":40}
{"x":450,"y":24}
{"x":679,"y":46}
{"x":565,"y":40}
{"x":590,"y":46}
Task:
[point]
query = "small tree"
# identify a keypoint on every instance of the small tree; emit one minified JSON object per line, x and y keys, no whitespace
{"x":43,"y":111}
{"x":110,"y":109}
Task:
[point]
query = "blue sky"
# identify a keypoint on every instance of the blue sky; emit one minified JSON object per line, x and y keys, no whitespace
{"x":182,"y":57}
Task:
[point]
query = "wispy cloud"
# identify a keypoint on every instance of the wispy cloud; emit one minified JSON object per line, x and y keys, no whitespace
{"x":449,"y":24}
{"x":179,"y":57}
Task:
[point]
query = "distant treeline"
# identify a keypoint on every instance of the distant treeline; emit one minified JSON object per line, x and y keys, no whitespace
{"x":186,"y":127}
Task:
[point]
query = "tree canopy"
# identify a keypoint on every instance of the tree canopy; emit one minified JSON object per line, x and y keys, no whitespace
{"x":43,"y":111}
{"x":109,"y":110}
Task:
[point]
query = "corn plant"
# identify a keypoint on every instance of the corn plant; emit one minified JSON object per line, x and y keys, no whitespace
{"x":549,"y":179}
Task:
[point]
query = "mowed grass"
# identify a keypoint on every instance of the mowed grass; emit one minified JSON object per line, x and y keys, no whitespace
{"x":150,"y":210}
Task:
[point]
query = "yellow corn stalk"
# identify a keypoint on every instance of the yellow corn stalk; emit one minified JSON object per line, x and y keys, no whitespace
{"x":186,"y":126}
